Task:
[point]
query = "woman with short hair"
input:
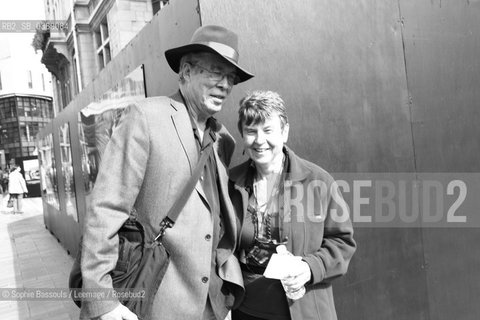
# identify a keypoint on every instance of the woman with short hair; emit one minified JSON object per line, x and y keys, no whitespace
{"x":282,"y":199}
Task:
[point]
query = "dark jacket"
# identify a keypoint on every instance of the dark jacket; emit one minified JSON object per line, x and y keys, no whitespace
{"x":316,"y":221}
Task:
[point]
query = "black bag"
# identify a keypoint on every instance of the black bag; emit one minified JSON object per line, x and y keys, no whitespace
{"x":142,"y":263}
{"x":261,"y":251}
{"x":139,"y":270}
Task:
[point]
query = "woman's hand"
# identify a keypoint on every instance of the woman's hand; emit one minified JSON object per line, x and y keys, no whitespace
{"x":299,"y":274}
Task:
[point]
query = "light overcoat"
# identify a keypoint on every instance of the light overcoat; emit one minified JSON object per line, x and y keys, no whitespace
{"x":149,"y":159}
{"x":16,"y":183}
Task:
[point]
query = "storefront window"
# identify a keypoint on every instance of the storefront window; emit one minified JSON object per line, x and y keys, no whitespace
{"x":98,"y":119}
{"x":67,"y":171}
{"x":48,"y":173}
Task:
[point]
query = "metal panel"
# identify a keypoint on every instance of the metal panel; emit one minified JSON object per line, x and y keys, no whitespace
{"x":452,"y":258}
{"x":442,"y":44}
{"x":340,"y":68}
{"x":386,"y":278}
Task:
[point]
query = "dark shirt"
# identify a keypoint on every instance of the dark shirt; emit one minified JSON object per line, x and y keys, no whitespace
{"x":209,"y":182}
{"x":264,"y":298}
{"x":209,"y":176}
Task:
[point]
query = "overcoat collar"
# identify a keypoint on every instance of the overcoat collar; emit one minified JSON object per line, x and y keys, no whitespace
{"x":182,"y":123}
{"x":296,"y":170}
{"x":183,"y":127}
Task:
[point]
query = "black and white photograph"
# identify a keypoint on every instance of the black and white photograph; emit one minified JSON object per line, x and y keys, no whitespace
{"x":239,"y":160}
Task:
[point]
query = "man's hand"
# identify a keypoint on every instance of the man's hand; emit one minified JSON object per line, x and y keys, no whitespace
{"x":297,"y":277}
{"x":119,"y":313}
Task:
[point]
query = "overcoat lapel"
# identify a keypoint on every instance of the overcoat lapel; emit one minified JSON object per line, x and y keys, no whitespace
{"x":229,"y":214}
{"x":183,"y":126}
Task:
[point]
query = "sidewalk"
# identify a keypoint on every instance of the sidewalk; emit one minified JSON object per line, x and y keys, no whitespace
{"x":30,"y":257}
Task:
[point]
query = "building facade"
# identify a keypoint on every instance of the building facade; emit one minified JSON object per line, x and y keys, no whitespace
{"x":26,"y":104}
{"x":97,"y":31}
{"x":22,"y":116}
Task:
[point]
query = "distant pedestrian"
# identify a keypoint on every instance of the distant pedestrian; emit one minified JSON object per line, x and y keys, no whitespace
{"x":17,"y":187}
{"x":4,"y":180}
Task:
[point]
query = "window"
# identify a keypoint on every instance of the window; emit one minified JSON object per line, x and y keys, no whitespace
{"x":34,"y":128}
{"x":21,"y":106}
{"x":157,"y":5}
{"x":11,"y":109}
{"x":2,"y":109}
{"x":29,"y":77}
{"x":76,"y":87}
{"x":35,"y":108}
{"x":24,"y":132}
{"x":12,"y":133}
{"x":102,"y":41}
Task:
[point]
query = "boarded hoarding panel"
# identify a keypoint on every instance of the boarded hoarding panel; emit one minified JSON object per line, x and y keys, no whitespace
{"x":442,"y":45}
{"x":340,"y":68}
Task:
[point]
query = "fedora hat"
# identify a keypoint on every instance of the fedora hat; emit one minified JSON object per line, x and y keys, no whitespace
{"x":214,"y":39}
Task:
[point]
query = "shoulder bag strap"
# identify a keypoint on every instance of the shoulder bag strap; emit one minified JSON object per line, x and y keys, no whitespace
{"x":177,"y":207}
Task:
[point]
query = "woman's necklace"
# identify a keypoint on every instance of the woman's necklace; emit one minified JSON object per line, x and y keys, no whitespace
{"x":264,"y":200}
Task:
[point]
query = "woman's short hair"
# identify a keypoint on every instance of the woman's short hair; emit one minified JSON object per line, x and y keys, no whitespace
{"x":258,"y":106}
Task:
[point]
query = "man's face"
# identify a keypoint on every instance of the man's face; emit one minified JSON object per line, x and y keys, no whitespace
{"x":208,"y":82}
{"x":264,"y":141}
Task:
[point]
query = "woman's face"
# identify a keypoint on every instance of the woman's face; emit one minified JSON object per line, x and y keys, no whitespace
{"x":264,"y":142}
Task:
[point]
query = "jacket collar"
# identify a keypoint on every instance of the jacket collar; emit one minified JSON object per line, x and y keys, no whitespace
{"x":183,"y":125}
{"x":296,"y":169}
{"x":178,"y":102}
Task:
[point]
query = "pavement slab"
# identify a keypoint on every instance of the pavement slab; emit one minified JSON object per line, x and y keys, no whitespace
{"x":31,"y":259}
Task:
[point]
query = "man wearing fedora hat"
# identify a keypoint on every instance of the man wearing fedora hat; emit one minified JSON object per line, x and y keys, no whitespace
{"x":148,"y":160}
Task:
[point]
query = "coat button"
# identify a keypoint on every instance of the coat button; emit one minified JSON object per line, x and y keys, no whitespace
{"x":208,"y":237}
{"x":205,"y":279}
